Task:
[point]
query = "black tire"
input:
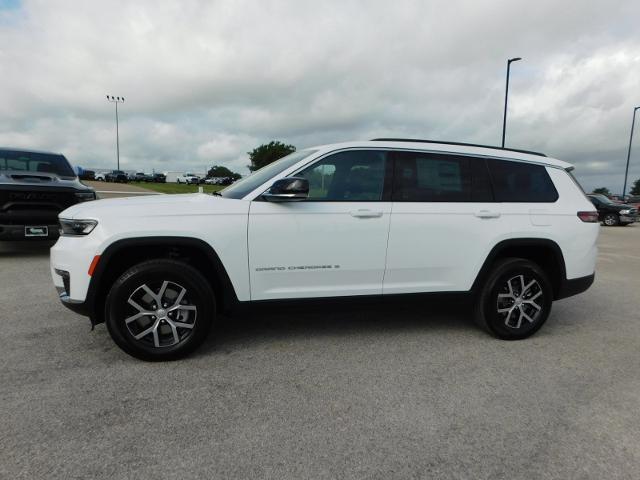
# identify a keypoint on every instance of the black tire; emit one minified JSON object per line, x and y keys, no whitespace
{"x":611,"y":220}
{"x":173,"y":331}
{"x":523,"y":315}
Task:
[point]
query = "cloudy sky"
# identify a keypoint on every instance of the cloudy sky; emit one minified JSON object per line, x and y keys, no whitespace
{"x":207,"y":81}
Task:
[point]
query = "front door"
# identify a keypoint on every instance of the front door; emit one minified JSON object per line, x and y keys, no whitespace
{"x":332,"y":244}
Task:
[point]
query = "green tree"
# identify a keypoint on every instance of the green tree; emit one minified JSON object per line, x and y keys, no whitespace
{"x":220,"y":171}
{"x":602,"y":190}
{"x":268,"y":153}
{"x":635,"y":190}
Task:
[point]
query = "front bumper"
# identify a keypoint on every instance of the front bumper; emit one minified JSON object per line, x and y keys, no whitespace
{"x":628,"y":218}
{"x":75,"y":306}
{"x":16,"y":232}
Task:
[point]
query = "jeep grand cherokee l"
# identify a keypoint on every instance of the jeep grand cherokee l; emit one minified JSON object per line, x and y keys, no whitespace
{"x":371,"y":220}
{"x":34,"y":188}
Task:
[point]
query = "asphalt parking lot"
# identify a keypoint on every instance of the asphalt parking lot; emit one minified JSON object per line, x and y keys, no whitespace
{"x":415,"y":393}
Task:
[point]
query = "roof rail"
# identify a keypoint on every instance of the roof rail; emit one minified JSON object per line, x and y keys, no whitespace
{"x":460,"y":144}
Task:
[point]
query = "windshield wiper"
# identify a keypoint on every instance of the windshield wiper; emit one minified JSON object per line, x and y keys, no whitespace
{"x":217,"y":194}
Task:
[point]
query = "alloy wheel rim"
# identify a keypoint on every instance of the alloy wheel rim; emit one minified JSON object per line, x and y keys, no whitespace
{"x":520,"y":300}
{"x":609,"y":220}
{"x":160,"y":314}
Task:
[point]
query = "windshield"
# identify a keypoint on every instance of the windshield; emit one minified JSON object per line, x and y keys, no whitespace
{"x":48,"y":163}
{"x":242,"y":187}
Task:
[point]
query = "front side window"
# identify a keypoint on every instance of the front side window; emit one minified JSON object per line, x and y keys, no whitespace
{"x":351,"y":176}
{"x":521,"y":182}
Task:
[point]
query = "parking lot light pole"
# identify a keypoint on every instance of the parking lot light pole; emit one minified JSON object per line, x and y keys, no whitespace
{"x":506,"y":97}
{"x":626,"y":171}
{"x":116,"y":100}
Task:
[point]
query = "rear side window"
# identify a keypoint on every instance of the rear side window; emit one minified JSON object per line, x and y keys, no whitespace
{"x":431,"y":177}
{"x":521,"y":182}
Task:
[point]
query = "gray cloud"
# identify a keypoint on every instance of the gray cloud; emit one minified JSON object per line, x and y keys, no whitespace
{"x":207,"y":81}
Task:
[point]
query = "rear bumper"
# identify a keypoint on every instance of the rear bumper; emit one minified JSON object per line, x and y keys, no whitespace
{"x":16,"y":232}
{"x":575,"y":286}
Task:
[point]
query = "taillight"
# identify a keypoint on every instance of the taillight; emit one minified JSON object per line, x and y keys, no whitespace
{"x":588,"y":217}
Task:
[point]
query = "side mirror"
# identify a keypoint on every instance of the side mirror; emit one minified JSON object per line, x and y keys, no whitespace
{"x":289,"y":189}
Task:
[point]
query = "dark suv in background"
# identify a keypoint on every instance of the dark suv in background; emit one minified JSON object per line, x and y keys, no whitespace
{"x":117,"y":176}
{"x":611,"y":213}
{"x":34,"y":188}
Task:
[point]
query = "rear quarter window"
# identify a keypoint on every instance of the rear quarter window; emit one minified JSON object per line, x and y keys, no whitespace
{"x":521,"y":182}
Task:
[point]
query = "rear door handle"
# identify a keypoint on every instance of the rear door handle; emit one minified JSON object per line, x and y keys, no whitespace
{"x":364,"y":213}
{"x":487,"y":214}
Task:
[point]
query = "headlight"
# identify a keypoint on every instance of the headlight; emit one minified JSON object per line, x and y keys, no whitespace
{"x":625,"y":212}
{"x":85,"y":196}
{"x":77,"y":227}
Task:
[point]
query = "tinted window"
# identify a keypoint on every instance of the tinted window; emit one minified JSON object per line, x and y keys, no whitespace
{"x":428,"y":177}
{"x":16,"y":161}
{"x":352,"y":176}
{"x":521,"y":182}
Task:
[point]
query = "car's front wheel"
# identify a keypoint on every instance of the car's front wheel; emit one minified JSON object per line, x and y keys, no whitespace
{"x":516,"y":299}
{"x":160,"y":310}
{"x":611,"y":220}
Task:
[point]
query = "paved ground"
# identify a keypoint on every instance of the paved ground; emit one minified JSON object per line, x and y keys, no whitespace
{"x":348,"y":395}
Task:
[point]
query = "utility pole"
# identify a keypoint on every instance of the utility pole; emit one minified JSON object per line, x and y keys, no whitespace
{"x":626,"y":171}
{"x":506,"y":98}
{"x":116,"y":100}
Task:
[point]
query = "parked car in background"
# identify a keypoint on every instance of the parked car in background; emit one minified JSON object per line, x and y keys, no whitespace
{"x":376,"y":221}
{"x":100,"y":177}
{"x":189,"y":178}
{"x":87,"y":175}
{"x":34,"y":188}
{"x":159,"y":178}
{"x":214,"y":180}
{"x":141,"y":177}
{"x":611,"y":213}
{"x":116,"y":176}
{"x":84,"y":174}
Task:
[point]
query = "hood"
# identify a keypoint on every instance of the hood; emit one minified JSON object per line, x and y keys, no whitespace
{"x":149,"y":206}
{"x":39,"y":179}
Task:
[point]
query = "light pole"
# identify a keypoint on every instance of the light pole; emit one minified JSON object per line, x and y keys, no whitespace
{"x":506,"y":97}
{"x":116,"y":100}
{"x":626,"y":171}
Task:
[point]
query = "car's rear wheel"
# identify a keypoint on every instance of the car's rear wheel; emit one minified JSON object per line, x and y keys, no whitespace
{"x":611,"y":220}
{"x":160,"y":310}
{"x":516,"y":299}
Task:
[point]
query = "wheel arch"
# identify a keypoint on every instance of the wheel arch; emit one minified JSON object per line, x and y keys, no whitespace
{"x":546,"y":253}
{"x":122,"y":254}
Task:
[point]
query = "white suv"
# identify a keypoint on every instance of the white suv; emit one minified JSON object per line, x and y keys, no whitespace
{"x":370,"y":220}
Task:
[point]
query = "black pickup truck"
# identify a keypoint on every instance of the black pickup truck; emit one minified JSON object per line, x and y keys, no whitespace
{"x":34,"y":188}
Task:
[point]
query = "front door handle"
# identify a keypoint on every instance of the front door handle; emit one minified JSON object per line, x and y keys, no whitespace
{"x":364,"y":213}
{"x":487,"y":214}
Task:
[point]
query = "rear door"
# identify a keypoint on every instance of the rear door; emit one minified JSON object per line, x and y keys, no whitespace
{"x":443,"y":225}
